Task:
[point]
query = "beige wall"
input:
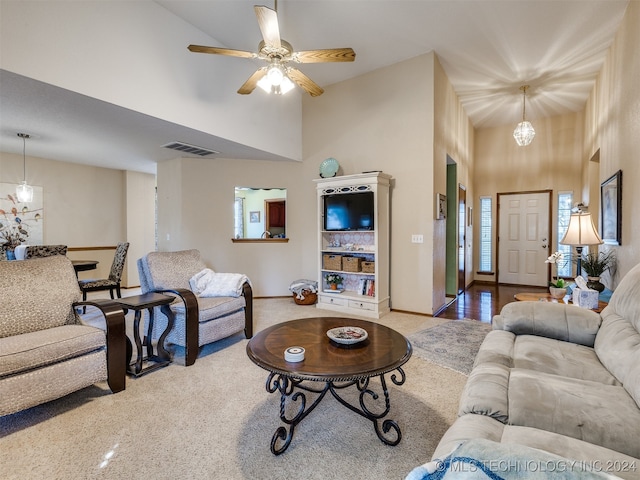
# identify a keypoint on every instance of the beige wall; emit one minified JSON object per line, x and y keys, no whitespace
{"x":195,"y":208}
{"x":379,"y":121}
{"x":88,"y":206}
{"x":453,"y":137}
{"x":551,"y":162}
{"x":612,"y":132}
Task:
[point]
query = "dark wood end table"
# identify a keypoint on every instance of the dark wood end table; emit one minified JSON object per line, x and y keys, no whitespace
{"x":161,"y":358}
{"x":329,"y":367}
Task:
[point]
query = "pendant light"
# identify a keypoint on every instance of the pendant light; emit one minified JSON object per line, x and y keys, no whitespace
{"x":524,"y":132}
{"x":24,"y":192}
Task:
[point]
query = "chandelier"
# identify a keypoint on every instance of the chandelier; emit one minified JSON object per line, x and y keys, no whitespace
{"x":24,"y":192}
{"x":524,"y":132}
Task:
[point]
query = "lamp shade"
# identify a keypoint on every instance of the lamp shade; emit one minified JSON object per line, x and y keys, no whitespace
{"x":581,"y":231}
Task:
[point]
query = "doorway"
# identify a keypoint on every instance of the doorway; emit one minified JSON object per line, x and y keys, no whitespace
{"x":275,"y":216}
{"x":462,"y":237}
{"x":524,"y":230}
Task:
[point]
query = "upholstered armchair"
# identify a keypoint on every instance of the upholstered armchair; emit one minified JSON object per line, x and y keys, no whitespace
{"x":199,"y":320}
{"x":46,"y":351}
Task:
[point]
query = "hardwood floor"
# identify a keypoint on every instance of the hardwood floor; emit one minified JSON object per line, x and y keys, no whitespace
{"x":483,"y":301}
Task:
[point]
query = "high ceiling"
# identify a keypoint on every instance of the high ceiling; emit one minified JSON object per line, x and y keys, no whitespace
{"x":487,"y":48}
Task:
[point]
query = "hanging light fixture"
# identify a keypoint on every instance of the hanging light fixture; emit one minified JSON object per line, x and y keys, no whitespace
{"x":24,"y":192}
{"x":524,"y":132}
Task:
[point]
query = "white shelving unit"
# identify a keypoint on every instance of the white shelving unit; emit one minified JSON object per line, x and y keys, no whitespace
{"x":368,"y":245}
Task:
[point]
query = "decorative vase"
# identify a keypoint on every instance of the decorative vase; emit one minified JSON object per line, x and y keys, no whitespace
{"x":595,"y":284}
{"x":557,"y":292}
{"x":11,"y":255}
{"x":333,"y":286}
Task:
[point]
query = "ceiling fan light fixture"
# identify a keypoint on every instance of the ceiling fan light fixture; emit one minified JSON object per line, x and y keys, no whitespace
{"x":524,"y":131}
{"x":276,"y":81}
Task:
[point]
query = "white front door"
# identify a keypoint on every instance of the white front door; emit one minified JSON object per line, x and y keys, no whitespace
{"x":523,"y":238}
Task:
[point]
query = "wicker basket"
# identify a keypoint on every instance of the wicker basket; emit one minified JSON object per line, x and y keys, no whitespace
{"x":351,"y":264}
{"x":308,"y":298}
{"x":332,"y":262}
{"x":369,"y":267}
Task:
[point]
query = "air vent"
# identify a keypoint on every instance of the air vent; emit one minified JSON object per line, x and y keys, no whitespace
{"x":186,"y":148}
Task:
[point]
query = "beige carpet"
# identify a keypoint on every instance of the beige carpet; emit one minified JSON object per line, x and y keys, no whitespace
{"x":215,"y":420}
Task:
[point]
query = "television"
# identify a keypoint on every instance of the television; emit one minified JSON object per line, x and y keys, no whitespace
{"x":348,"y":211}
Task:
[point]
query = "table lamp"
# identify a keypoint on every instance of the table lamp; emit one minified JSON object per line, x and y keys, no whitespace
{"x":580,"y":233}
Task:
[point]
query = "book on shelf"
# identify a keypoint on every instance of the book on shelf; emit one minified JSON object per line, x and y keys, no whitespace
{"x":367,"y":287}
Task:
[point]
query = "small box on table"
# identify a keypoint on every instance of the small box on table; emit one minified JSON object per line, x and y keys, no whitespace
{"x":585,"y":298}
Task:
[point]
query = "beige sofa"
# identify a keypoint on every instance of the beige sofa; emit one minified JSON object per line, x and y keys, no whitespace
{"x":560,"y":379}
{"x":46,"y":351}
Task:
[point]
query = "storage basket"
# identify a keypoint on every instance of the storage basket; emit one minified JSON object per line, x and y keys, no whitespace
{"x":332,"y":262}
{"x":308,"y":298}
{"x":351,"y":264}
{"x":369,"y":267}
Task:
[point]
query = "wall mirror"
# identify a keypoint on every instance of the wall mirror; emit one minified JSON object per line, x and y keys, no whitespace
{"x":260,"y":214}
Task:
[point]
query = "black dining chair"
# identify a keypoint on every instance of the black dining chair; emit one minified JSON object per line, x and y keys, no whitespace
{"x":113,"y":282}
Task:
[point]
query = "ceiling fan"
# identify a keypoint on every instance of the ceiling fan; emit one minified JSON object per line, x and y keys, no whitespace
{"x":278,"y":77}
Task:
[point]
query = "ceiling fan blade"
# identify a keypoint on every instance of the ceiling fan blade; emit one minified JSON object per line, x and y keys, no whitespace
{"x":221,"y":51}
{"x":305,"y":82}
{"x":328,"y":55}
{"x":268,"y":22}
{"x":250,"y":85}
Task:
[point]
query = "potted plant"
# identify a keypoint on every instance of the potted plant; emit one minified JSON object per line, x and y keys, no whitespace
{"x":11,"y":237}
{"x":557,"y":287}
{"x":595,"y":264}
{"x":333,"y":280}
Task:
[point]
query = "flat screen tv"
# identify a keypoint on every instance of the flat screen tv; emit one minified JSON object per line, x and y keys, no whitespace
{"x":348,"y":211}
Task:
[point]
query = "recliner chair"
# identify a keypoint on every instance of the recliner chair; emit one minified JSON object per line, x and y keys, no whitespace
{"x":217,"y":317}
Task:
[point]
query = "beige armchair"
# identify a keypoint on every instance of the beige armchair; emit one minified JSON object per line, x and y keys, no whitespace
{"x":46,"y":351}
{"x":199,"y":321}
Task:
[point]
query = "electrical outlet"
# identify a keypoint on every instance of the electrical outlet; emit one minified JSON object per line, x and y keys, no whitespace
{"x":417,"y":239}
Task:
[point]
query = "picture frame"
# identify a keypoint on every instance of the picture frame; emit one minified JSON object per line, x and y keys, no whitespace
{"x":441,"y":206}
{"x":254,"y":217}
{"x":611,"y":209}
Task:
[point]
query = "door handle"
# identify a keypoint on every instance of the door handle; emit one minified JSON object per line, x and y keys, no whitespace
{"x":544,"y":246}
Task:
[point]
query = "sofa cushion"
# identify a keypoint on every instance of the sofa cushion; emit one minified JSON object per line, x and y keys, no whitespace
{"x":601,"y":414}
{"x":545,"y":319}
{"x":20,"y":353}
{"x":597,"y":457}
{"x":37,"y":294}
{"x":172,"y":269}
{"x":618,"y":342}
{"x":566,"y":359}
{"x":479,"y":459}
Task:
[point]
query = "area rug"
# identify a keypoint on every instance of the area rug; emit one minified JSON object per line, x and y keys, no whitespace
{"x":452,"y":345}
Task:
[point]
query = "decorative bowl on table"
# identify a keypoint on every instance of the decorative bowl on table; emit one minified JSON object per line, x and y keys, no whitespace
{"x":347,"y":335}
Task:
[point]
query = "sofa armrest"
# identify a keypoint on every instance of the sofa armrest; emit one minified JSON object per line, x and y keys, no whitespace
{"x":116,"y":341}
{"x":192,"y":319}
{"x":247,"y":293}
{"x":552,"y":320}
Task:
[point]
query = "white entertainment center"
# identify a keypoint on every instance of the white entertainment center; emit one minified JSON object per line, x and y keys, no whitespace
{"x":353,"y":242}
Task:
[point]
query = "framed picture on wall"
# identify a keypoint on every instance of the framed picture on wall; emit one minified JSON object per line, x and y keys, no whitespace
{"x":611,"y":209}
{"x":254,"y":217}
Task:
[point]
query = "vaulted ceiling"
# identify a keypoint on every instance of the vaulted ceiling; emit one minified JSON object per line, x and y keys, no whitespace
{"x":487,"y":48}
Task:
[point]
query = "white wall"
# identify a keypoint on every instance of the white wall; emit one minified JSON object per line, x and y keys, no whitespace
{"x":91,"y":207}
{"x":134,"y":54}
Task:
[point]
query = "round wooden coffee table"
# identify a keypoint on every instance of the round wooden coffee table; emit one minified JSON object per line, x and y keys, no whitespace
{"x":330,"y":367}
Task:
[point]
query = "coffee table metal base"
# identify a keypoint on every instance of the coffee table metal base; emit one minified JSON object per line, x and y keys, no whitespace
{"x":292,"y":391}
